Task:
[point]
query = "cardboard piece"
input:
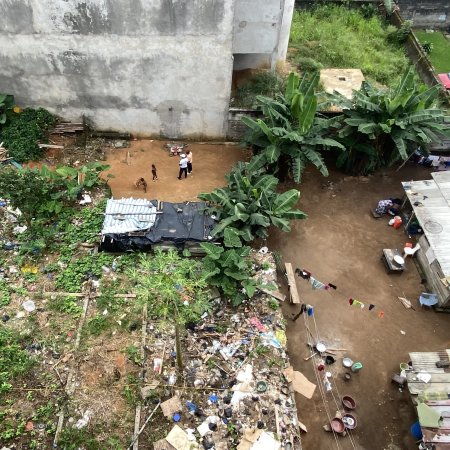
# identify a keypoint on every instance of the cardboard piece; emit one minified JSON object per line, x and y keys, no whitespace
{"x":266,"y":442}
{"x":300,"y":383}
{"x":251,"y":435}
{"x":162,"y":444}
{"x":171,"y":406}
{"x":178,"y":438}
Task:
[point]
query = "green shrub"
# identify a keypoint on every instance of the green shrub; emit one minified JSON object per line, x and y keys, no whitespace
{"x":308,"y":64}
{"x":400,"y":35}
{"x":264,"y":83}
{"x":22,"y":132}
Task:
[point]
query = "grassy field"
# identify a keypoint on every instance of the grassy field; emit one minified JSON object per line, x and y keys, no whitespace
{"x":440,"y":56}
{"x":337,"y":37}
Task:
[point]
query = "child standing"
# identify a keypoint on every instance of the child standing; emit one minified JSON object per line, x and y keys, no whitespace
{"x":155,"y":177}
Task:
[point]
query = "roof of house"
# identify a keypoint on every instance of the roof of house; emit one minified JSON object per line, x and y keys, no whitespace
{"x":430,"y":200}
{"x":429,"y":387}
{"x":140,"y":222}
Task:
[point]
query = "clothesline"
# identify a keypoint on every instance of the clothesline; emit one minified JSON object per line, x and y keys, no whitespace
{"x":318,"y":285}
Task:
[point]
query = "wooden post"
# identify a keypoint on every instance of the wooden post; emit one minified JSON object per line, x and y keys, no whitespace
{"x":292,"y":284}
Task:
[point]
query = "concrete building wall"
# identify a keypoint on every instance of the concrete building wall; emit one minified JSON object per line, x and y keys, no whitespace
{"x":152,"y":67}
{"x":261,"y":32}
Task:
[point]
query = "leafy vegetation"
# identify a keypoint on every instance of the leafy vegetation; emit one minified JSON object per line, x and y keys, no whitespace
{"x":337,"y":36}
{"x":81,"y":269}
{"x":42,"y":193}
{"x":249,"y":205}
{"x":171,"y":285}
{"x":262,"y":83}
{"x":292,"y":134}
{"x":382,"y":126}
{"x":5,"y":294}
{"x":14,"y":360}
{"x":400,"y":35}
{"x":230,"y":271}
{"x":22,"y":131}
{"x":439,"y":56}
{"x":6,"y":103}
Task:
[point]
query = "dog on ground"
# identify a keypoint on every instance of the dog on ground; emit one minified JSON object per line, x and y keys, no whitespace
{"x":141,"y":183}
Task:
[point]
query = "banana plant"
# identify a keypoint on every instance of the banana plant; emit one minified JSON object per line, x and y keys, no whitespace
{"x":292,"y":134}
{"x":382,"y":126}
{"x":249,"y":205}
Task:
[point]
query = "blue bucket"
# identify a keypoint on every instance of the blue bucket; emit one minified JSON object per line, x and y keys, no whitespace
{"x":416,"y":431}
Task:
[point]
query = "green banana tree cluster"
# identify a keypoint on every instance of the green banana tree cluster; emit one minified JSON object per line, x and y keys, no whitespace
{"x":382,"y":126}
{"x":249,"y":205}
{"x":292,"y":134}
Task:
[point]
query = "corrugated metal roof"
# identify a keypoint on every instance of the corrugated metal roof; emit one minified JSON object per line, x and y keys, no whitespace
{"x":433,"y":213}
{"x":435,"y":393}
{"x":127,"y":215}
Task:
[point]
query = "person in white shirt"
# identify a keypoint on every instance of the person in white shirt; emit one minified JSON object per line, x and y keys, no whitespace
{"x":183,"y":166}
{"x":189,"y":164}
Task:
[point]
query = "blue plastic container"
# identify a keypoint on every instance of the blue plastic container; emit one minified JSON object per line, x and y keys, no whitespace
{"x":416,"y":431}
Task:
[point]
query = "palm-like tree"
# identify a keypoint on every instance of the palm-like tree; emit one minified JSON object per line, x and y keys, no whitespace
{"x":292,"y":134}
{"x":381,"y":126}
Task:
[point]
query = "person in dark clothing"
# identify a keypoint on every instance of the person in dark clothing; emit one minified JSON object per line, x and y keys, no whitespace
{"x":155,"y":177}
{"x":183,"y":166}
{"x":141,"y":183}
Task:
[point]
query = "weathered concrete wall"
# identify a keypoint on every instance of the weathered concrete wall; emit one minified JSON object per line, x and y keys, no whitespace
{"x":154,"y":67}
{"x":426,"y":14}
{"x":261,"y":32}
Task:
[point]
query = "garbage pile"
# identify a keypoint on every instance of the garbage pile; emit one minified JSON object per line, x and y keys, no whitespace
{"x":233,"y":393}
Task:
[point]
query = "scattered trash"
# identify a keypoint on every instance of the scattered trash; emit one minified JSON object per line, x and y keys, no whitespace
{"x":81,"y":423}
{"x":403,"y":332}
{"x":171,"y":406}
{"x":424,"y":376}
{"x":29,"y":306}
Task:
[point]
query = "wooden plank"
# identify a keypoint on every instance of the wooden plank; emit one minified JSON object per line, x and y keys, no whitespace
{"x":419,"y":388}
{"x":50,"y":146}
{"x":275,"y":294}
{"x":435,"y":378}
{"x":292,"y":283}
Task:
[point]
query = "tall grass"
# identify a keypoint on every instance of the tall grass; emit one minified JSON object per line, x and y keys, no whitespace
{"x":337,"y":37}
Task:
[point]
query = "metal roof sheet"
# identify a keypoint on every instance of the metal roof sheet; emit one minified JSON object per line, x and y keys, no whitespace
{"x":127,"y":215}
{"x":433,"y":213}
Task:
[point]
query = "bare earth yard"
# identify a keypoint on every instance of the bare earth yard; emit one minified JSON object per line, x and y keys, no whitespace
{"x":339,"y":243}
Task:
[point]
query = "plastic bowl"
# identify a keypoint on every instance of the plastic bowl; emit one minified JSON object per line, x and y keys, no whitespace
{"x":347,"y":362}
{"x":349,"y":421}
{"x":337,"y":425}
{"x":348,"y":402}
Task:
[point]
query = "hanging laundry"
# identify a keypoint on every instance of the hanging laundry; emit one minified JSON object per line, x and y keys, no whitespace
{"x":362,"y":306}
{"x":371,"y":307}
{"x":303,"y":273}
{"x":350,"y":300}
{"x":332,"y":286}
{"x":316,"y":284}
{"x":381,"y":314}
{"x":310,"y":310}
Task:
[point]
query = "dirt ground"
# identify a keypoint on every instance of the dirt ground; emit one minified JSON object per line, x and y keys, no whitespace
{"x":210,"y":165}
{"x":341,"y":243}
